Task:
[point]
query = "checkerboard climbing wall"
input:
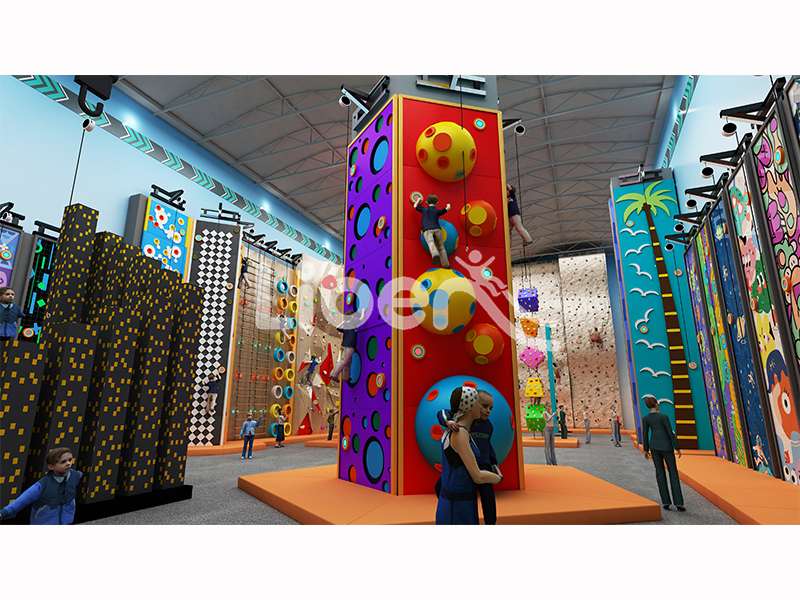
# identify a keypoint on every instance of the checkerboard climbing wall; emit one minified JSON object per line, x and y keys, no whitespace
{"x":214,"y":268}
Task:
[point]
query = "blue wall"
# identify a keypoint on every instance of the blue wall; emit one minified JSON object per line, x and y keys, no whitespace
{"x":39,"y":141}
{"x":623,"y":374}
{"x":702,"y":129}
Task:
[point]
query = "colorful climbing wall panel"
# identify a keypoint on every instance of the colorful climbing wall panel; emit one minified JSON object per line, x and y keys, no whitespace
{"x":772,"y":342}
{"x":657,"y":306}
{"x":776,"y":190}
{"x":739,"y":343}
{"x":706,"y":360}
{"x":166,"y":235}
{"x":367,"y":450}
{"x":35,"y":301}
{"x":719,"y":344}
{"x":456,"y":155}
{"x":9,"y":240}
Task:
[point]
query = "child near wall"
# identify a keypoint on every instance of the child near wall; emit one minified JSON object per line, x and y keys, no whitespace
{"x":10,"y":313}
{"x":53,"y":496}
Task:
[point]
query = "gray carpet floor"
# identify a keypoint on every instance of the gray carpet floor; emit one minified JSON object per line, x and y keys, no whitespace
{"x":216,"y":499}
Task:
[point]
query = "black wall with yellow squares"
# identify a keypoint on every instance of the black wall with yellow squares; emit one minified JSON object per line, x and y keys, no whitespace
{"x":111,"y":379}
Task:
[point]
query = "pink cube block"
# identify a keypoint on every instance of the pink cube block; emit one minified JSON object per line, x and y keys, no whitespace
{"x":532,"y":357}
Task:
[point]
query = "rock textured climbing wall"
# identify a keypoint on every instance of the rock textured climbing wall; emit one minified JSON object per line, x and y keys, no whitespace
{"x":320,"y":302}
{"x":544,"y":276}
{"x":590,"y":340}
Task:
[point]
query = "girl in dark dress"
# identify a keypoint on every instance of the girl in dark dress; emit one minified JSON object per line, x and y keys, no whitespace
{"x":458,"y":502}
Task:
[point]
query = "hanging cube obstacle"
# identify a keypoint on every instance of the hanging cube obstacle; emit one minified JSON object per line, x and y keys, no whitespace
{"x":534,"y":388}
{"x":528,"y":299}
{"x":530,"y":326}
{"x":534,"y":417}
{"x":532,"y":357}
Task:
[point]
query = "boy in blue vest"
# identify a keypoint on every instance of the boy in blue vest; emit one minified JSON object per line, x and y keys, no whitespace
{"x":481,"y":433}
{"x":53,"y":496}
{"x":431,"y":230}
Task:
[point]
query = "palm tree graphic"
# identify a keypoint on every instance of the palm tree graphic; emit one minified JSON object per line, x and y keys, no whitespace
{"x":650,"y":202}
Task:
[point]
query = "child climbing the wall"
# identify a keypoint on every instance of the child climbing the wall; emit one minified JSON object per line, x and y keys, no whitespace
{"x":481,"y":432}
{"x":431,"y":230}
{"x":309,"y":374}
{"x":515,"y":216}
{"x":243,"y":280}
{"x":213,"y":390}
{"x":53,"y":496}
{"x":10,"y":313}
{"x":349,"y":341}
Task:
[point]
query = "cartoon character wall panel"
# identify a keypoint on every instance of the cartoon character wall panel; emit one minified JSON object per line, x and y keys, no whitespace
{"x":777,"y":193}
{"x":772,"y":343}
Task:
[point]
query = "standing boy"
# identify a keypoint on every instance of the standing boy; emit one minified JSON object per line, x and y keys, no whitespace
{"x":248,"y":432}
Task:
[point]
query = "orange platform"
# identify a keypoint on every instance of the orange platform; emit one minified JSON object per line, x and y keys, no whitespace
{"x":532,"y":442}
{"x":235,"y":446}
{"x":749,"y":497}
{"x":554,"y":496}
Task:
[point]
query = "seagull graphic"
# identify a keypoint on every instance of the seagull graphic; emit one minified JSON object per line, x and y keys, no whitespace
{"x":646,"y":318}
{"x":659,"y":400}
{"x":640,"y":272}
{"x":632,"y":232}
{"x":643,"y":293}
{"x":638,"y":251}
{"x":649,"y":345}
{"x":655,"y":373}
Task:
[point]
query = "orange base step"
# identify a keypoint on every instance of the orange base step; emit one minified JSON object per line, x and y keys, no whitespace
{"x":530,"y":442}
{"x":235,"y":446}
{"x":554,"y":496}
{"x":750,"y":497}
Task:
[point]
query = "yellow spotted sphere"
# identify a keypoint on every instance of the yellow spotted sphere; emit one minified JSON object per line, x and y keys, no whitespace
{"x":439,"y":151}
{"x":443,"y":301}
{"x":484,"y":343}
{"x":479,"y":218}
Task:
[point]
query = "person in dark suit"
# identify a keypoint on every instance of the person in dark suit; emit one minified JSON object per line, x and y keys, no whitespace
{"x":659,"y":439}
{"x":562,"y":421}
